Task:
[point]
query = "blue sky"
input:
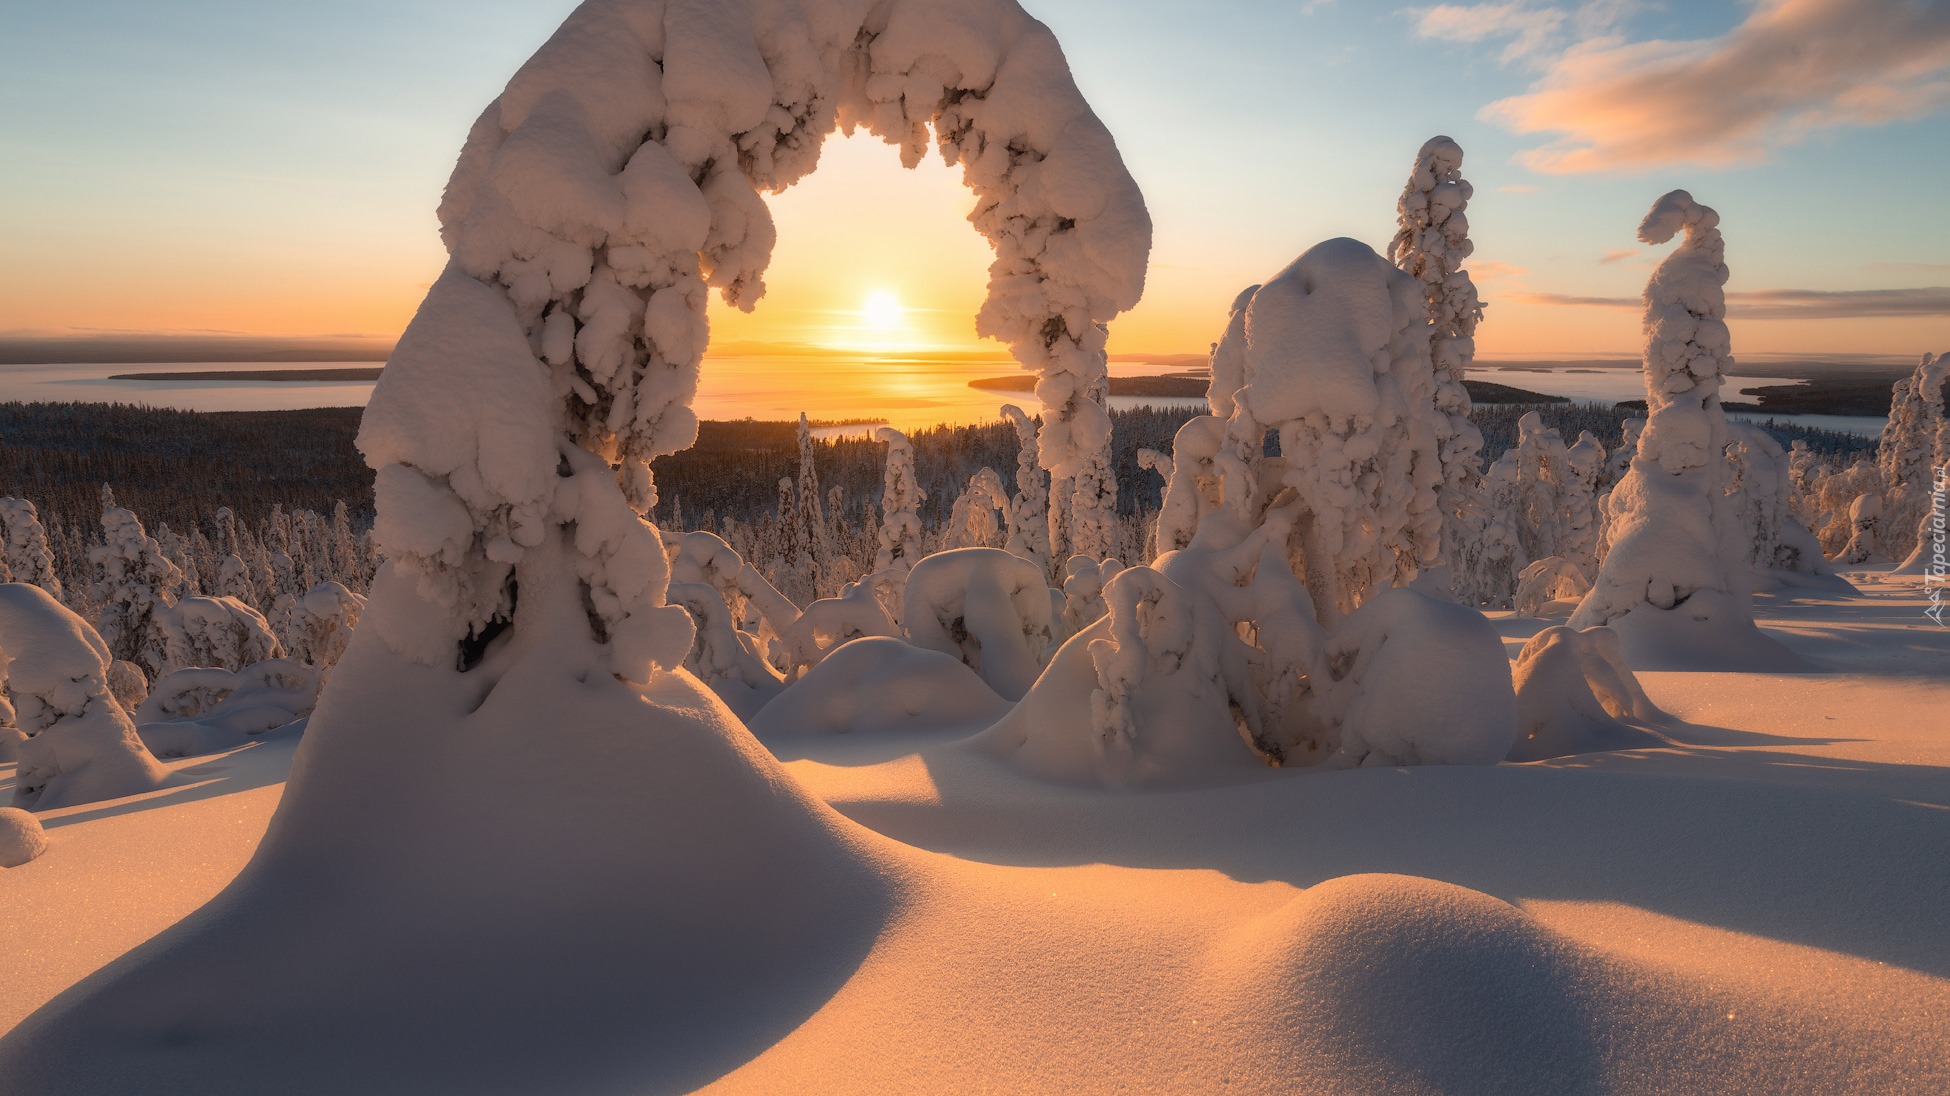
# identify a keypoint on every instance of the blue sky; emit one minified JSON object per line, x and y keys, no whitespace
{"x":274,"y":167}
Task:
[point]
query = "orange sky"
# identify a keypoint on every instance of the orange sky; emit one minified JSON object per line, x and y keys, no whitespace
{"x":858,"y":226}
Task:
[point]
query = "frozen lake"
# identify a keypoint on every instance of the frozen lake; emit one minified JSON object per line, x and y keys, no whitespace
{"x":909,"y":393}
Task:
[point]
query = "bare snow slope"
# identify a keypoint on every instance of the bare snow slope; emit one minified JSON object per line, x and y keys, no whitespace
{"x":1756,"y":906}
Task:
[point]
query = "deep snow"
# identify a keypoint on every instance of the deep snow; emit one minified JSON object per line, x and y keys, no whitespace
{"x":1755,"y":900}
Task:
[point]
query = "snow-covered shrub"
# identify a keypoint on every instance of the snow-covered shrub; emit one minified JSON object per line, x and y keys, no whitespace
{"x":1865,"y":525}
{"x":135,"y":585}
{"x":1575,"y":694}
{"x":1431,"y":242}
{"x":127,"y":684}
{"x":879,"y":685}
{"x":1419,"y":681}
{"x":27,"y":558}
{"x":729,"y":661}
{"x":859,"y":611}
{"x":972,"y":523}
{"x":1333,"y":352}
{"x":1083,"y":591}
{"x":80,"y":744}
{"x":21,"y":837}
{"x":1029,"y":510}
{"x":1552,"y":579}
{"x":203,"y":710}
{"x":1193,"y":487}
{"x":987,"y":608}
{"x":218,"y":632}
{"x":1675,"y":583}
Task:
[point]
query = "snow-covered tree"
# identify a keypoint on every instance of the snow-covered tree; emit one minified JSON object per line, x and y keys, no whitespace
{"x":1491,"y":559}
{"x":1431,"y":242}
{"x":1675,"y":583}
{"x":1556,"y":507}
{"x":900,"y":503}
{"x":80,"y":745}
{"x":813,"y":535}
{"x":1333,"y":353}
{"x":972,"y":520}
{"x":27,"y":557}
{"x":219,"y":632}
{"x":1915,"y":443}
{"x":321,"y":625}
{"x":1029,"y":510}
{"x":135,"y":583}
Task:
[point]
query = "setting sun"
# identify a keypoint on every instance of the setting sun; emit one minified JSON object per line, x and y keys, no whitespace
{"x":882,"y":311}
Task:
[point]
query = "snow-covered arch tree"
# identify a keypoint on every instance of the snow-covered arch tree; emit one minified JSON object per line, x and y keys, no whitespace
{"x":1675,"y":583}
{"x":510,"y":699}
{"x":620,"y":174}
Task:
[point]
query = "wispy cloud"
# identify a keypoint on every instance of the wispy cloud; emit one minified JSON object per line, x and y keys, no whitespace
{"x":1618,"y":256}
{"x":1536,"y":31}
{"x":1790,"y":68}
{"x":1791,"y":304}
{"x":1815,"y":304}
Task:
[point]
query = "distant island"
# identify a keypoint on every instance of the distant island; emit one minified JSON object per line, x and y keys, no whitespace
{"x":363,"y":373}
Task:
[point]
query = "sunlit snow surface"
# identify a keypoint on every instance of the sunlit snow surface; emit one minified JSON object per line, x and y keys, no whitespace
{"x":1755,"y":906}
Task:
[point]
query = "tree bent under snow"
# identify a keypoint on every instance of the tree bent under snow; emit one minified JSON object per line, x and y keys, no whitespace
{"x":1675,"y":584}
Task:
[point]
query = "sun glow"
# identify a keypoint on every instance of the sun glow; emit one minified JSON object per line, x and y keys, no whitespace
{"x":882,"y":312}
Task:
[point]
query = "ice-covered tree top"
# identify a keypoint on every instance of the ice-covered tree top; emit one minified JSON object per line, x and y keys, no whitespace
{"x":1687,"y":345}
{"x":620,"y":173}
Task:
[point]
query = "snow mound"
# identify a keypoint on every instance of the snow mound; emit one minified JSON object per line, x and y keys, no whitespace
{"x":1187,"y":737}
{"x":1430,"y":987}
{"x":81,"y":746}
{"x":880,"y":684}
{"x":200,"y":711}
{"x":21,"y":837}
{"x":1420,"y":681}
{"x":1712,"y":630}
{"x":483,"y":894}
{"x":1575,"y":694}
